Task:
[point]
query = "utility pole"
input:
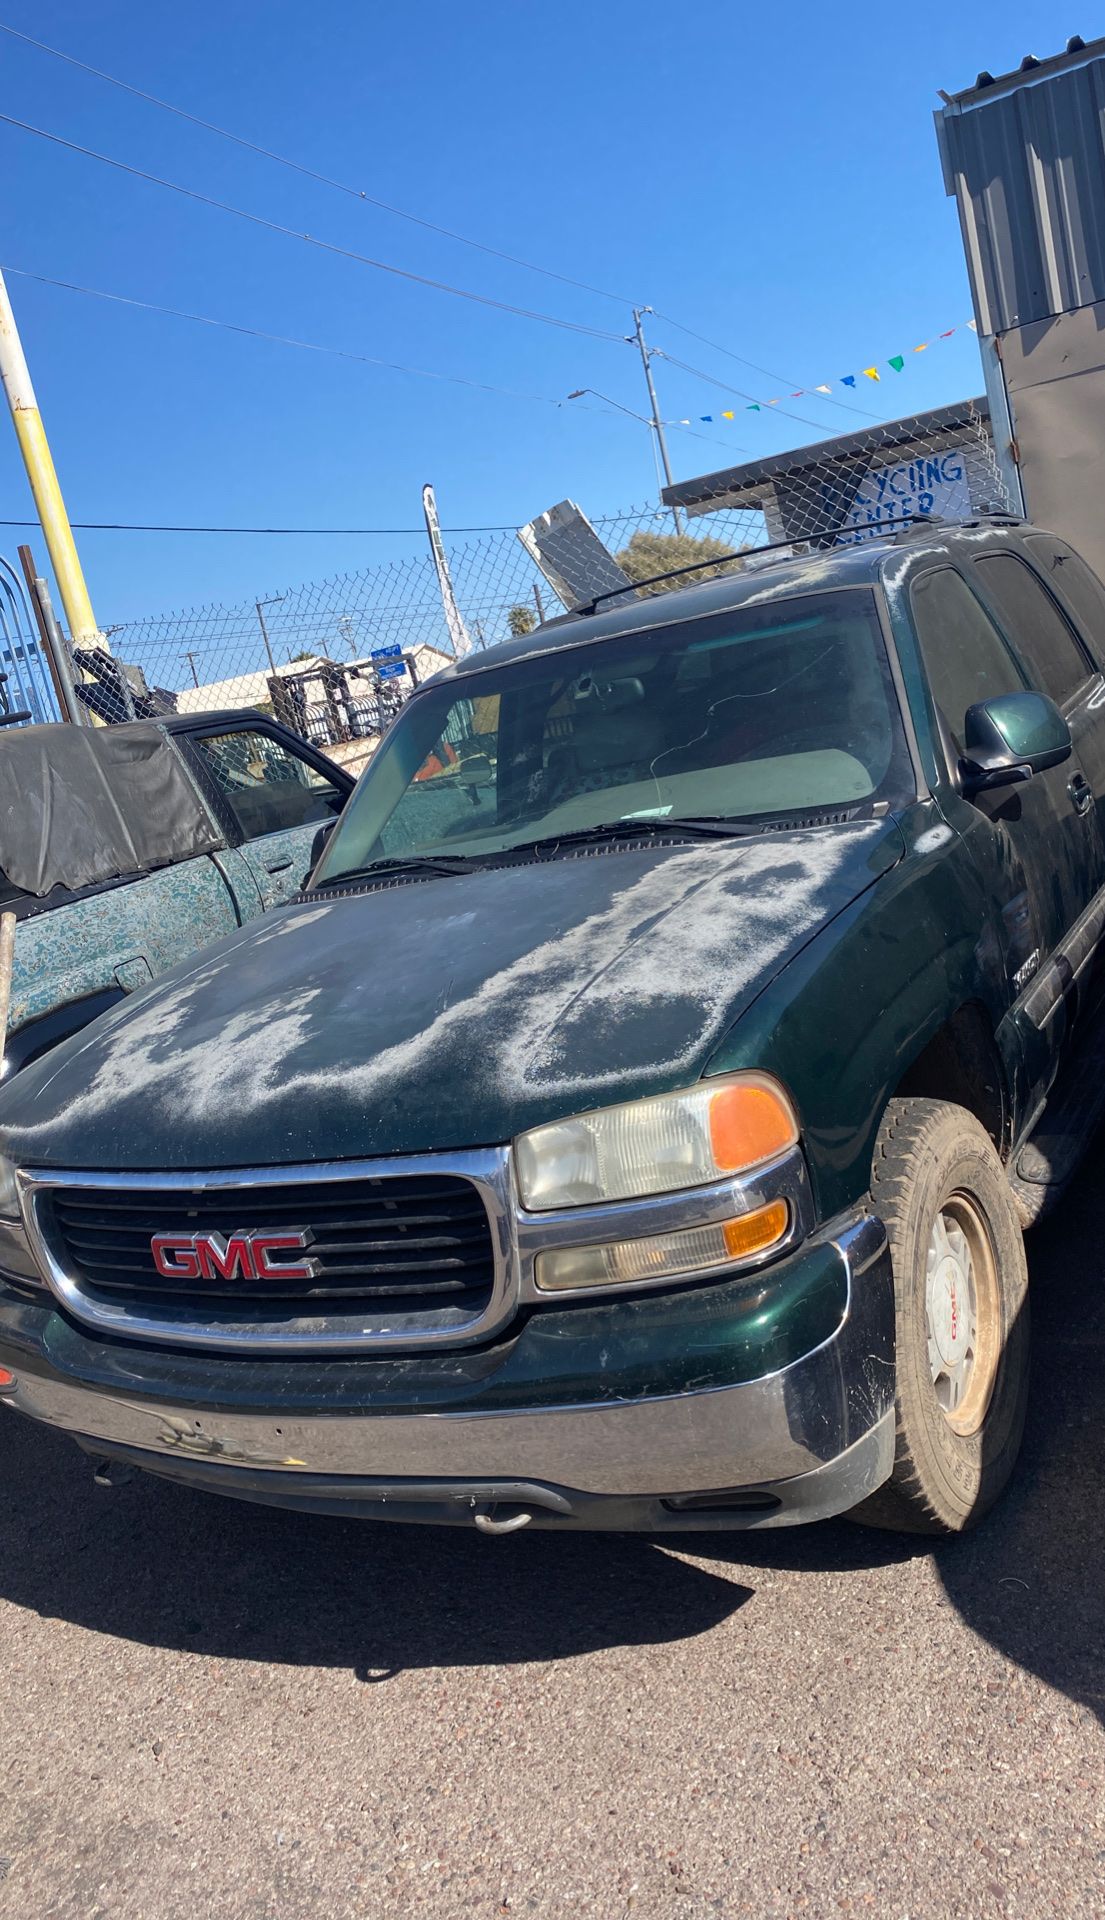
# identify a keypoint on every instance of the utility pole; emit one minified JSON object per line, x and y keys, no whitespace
{"x":655,"y":421}
{"x":35,"y":448}
{"x":191,"y":659}
{"x":260,"y":604}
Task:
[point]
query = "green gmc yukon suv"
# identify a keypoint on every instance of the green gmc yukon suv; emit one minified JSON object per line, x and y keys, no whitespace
{"x":634,"y":1121}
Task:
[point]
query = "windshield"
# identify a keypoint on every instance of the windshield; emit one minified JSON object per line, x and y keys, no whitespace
{"x":743,"y":715}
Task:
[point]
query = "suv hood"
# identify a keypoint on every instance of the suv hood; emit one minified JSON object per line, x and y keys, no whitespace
{"x":441,"y":1013}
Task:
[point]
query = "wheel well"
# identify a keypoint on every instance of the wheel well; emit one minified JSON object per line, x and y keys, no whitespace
{"x":962,"y":1063}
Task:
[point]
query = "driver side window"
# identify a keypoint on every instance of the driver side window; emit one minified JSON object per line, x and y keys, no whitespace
{"x":965,"y":657}
{"x":267,"y":787}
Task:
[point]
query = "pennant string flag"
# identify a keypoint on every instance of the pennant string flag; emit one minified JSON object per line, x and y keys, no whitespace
{"x":896,"y":361}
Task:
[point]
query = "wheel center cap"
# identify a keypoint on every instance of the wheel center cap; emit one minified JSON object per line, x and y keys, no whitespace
{"x":949,"y":1311}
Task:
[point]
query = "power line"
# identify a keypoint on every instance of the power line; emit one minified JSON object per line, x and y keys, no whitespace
{"x":310,"y":173}
{"x":281,"y":339}
{"x":402,"y":213}
{"x":314,"y":346}
{"x":756,"y":368}
{"x":310,"y":239}
{"x":130,"y":526}
{"x":349,"y":253}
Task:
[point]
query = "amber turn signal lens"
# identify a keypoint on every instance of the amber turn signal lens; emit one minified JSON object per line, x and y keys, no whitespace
{"x":659,"y":1256}
{"x":750,"y":1122}
{"x":756,"y":1230}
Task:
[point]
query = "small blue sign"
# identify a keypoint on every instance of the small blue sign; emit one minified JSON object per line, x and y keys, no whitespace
{"x":390,"y":664}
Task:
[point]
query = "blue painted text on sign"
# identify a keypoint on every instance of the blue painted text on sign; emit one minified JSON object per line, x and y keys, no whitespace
{"x":935,"y":484}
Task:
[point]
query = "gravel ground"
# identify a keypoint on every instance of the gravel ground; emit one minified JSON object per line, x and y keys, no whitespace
{"x":210,"y":1709}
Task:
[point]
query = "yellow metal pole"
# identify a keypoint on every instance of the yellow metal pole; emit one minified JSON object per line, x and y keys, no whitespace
{"x":35,"y":448}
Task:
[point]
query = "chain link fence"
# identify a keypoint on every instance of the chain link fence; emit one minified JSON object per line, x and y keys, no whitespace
{"x":335,"y":658}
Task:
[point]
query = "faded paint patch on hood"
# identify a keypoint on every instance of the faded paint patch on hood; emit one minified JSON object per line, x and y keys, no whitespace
{"x":444,"y":1013}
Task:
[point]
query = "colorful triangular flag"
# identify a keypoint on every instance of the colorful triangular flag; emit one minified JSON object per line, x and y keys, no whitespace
{"x":871,"y":373}
{"x":897,"y":361}
{"x":754,"y":407}
{"x":727,"y":416}
{"x":822,"y":389}
{"x":922,"y":347}
{"x":705,"y":416}
{"x":847,"y":379}
{"x":973,"y":324}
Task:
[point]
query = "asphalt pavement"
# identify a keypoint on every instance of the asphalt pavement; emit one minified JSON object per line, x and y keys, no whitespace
{"x":208,"y":1709}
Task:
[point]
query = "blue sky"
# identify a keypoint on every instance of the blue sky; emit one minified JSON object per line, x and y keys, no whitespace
{"x":766,"y":175}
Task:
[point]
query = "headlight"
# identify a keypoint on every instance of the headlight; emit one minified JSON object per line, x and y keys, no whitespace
{"x":675,"y":1140}
{"x":9,"y":1193}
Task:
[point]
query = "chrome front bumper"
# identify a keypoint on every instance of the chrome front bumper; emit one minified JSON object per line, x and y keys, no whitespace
{"x":806,"y":1441}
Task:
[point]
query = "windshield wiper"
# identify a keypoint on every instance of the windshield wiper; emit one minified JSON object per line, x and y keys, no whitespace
{"x":703,"y":827}
{"x":712,"y":826}
{"x":429,"y":863}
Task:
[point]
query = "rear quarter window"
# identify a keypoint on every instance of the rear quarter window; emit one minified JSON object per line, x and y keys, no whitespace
{"x":1075,"y":584}
{"x":1036,"y":625}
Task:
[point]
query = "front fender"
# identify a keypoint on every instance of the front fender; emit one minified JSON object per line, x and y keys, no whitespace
{"x":843,"y":1022}
{"x":37,"y":1037}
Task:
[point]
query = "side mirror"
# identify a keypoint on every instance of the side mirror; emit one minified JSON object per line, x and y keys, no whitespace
{"x":318,"y":847}
{"x":1010,"y":738}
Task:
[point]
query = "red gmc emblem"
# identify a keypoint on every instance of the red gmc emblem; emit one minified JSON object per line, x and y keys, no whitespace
{"x":246,"y":1255}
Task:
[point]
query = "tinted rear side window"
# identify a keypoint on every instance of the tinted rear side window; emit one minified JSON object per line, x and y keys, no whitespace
{"x":1075,"y":582}
{"x":964,"y":654}
{"x":1035,"y":624}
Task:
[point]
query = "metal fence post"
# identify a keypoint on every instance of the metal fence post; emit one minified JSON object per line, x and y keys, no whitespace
{"x":53,"y":646}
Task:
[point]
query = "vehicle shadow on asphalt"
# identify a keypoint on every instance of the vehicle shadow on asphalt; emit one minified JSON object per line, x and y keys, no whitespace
{"x":1031,"y":1580}
{"x":164,"y":1566}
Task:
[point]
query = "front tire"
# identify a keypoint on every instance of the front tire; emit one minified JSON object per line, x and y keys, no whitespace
{"x":961,"y":1318}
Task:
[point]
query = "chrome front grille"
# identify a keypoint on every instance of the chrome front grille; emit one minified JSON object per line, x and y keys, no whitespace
{"x":413,"y":1257}
{"x":414,"y":1243}
{"x":411,"y":1252}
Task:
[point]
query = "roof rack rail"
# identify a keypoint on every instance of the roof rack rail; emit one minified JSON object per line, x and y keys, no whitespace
{"x":674,"y":573}
{"x":800,"y":545}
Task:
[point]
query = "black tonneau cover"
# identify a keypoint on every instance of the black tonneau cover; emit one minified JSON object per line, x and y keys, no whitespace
{"x":80,"y":805}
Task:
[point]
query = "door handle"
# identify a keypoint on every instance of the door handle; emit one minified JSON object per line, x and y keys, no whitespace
{"x":281,"y":866}
{"x":1080,"y":792}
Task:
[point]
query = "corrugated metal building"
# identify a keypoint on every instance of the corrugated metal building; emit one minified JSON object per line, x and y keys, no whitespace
{"x":1024,"y":157}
